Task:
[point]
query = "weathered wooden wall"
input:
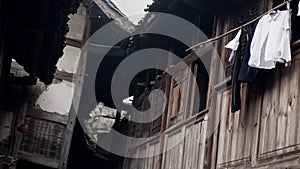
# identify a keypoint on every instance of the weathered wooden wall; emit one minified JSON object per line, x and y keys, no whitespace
{"x":182,"y":146}
{"x":263,"y":134}
{"x":48,"y":110}
{"x":266,"y":130}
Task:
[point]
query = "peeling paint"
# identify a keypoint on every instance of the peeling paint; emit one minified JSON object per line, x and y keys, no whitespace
{"x":57,"y":98}
{"x":69,"y":61}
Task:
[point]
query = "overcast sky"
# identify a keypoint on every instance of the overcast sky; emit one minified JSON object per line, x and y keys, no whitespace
{"x":132,"y":7}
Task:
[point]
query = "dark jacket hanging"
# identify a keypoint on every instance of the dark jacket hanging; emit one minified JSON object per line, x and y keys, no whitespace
{"x":248,"y":74}
{"x":236,"y":85}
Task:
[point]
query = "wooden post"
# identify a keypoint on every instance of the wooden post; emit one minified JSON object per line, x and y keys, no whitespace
{"x":19,"y":120}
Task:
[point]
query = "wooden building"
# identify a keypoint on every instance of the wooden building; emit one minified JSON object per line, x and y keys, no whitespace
{"x":263,"y":134}
{"x":40,"y":60}
{"x":41,"y":69}
{"x":36,"y":126}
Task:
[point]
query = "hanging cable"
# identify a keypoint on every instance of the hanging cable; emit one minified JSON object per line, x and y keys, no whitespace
{"x":237,"y":28}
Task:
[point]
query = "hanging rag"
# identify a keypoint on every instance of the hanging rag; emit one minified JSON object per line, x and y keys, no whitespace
{"x":234,"y":44}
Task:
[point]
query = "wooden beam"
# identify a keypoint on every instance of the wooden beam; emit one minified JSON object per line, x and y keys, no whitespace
{"x":74,"y":42}
{"x":64,"y":76}
{"x":38,"y":159}
{"x":19,"y":120}
{"x":111,"y":50}
{"x":72,"y":115}
{"x":189,"y":59}
{"x":116,"y":15}
{"x":41,"y":114}
{"x":223,"y":85}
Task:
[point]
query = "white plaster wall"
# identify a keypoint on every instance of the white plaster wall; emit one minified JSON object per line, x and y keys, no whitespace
{"x":70,"y":60}
{"x":77,"y":24}
{"x":57,"y":98}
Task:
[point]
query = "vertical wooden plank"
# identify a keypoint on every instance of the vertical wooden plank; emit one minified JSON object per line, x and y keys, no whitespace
{"x":157,"y":162}
{"x":272,"y":125}
{"x":170,"y":152}
{"x":145,"y":161}
{"x":72,"y":116}
{"x":189,"y":75}
{"x":202,"y":143}
{"x":190,"y":92}
{"x":235,"y":135}
{"x":282,"y":114}
{"x":192,"y":146}
{"x":170,"y":103}
{"x":294,"y":104}
{"x":252,"y":122}
{"x":165,"y":120}
{"x":266,"y":109}
{"x":173,"y":162}
{"x":194,"y":85}
{"x":183,"y":95}
{"x":19,"y":120}
{"x":164,"y":155}
{"x":214,"y":97}
{"x":147,"y":156}
{"x":140,"y":160}
{"x":218,"y":123}
{"x":125,"y":164}
{"x":201,"y":147}
{"x":242,"y":122}
{"x":229,"y":126}
{"x":151,"y":110}
{"x":222,"y":136}
{"x":176,"y":101}
{"x":196,"y":142}
{"x":187,"y":149}
{"x":150,"y":157}
{"x":180,"y":137}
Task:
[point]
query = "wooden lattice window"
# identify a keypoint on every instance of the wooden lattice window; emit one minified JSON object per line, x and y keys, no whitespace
{"x":44,"y":138}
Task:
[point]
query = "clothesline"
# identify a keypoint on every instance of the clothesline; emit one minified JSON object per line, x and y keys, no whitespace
{"x":237,"y":28}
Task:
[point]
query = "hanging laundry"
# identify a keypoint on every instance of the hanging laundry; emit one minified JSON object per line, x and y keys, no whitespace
{"x":271,"y":40}
{"x":248,"y":74}
{"x":241,"y":71}
{"x":235,"y":59}
{"x":234,"y":44}
{"x":298,"y":14}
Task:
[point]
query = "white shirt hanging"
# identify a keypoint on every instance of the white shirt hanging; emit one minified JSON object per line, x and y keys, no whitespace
{"x":298,"y":9}
{"x":234,"y":44}
{"x":271,"y":40}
